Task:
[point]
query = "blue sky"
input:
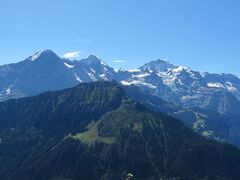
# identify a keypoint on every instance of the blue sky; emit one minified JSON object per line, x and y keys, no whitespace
{"x":201,"y":34}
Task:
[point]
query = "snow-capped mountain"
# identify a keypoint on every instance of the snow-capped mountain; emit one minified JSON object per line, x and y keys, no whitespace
{"x":90,"y":69}
{"x":209,"y":103}
{"x":185,"y":87}
{"x":180,"y":85}
{"x":45,"y":71}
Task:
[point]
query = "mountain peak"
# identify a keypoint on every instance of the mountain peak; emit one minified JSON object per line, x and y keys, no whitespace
{"x":44,"y":54}
{"x":161,"y":65}
{"x":180,"y":69}
{"x":92,"y":59}
{"x":91,"y":56}
{"x":163,"y":61}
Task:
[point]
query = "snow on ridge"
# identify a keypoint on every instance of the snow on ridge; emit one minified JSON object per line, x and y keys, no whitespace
{"x":8,"y":91}
{"x":230,"y":87}
{"x":35,"y":56}
{"x":134,"y":70}
{"x":188,"y":97}
{"x":215,"y":85}
{"x":38,"y":54}
{"x":141,"y":75}
{"x":68,"y":65}
{"x":179,"y":69}
{"x":203,"y":74}
{"x":77,"y":78}
{"x":93,"y":70}
{"x":167,"y":79}
{"x":92,"y":77}
{"x":138,"y":83}
{"x":117,"y":70}
{"x":103,"y":76}
{"x":102,"y":62}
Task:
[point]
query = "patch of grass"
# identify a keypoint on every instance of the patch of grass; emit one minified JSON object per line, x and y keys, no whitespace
{"x":91,"y":136}
{"x":200,"y":122}
{"x":208,"y":133}
{"x":137,"y":126}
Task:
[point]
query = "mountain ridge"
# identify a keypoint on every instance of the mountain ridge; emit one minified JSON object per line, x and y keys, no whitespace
{"x":94,"y":131}
{"x":209,"y":95}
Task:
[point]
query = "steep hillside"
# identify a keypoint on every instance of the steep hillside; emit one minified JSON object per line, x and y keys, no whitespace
{"x":94,"y":131}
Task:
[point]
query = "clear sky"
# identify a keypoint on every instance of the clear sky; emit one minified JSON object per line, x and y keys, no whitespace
{"x":201,"y":34}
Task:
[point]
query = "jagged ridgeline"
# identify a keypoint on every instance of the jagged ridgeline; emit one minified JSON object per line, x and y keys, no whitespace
{"x":207,"y":103}
{"x":95,"y":132}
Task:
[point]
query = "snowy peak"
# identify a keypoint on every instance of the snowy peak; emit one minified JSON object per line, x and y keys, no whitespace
{"x":159,"y":65}
{"x":89,"y":69}
{"x":93,"y":60}
{"x":46,"y":71}
{"x":46,"y":54}
{"x":180,"y":70}
{"x":94,"y":63}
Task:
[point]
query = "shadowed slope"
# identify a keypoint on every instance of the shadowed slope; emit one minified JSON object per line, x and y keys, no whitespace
{"x":93,"y":131}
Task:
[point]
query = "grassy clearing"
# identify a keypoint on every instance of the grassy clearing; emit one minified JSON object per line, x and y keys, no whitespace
{"x":137,"y":126}
{"x":91,"y":136}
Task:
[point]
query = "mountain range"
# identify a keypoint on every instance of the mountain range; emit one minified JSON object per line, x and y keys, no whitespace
{"x":94,"y":131}
{"x":208,"y":103}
